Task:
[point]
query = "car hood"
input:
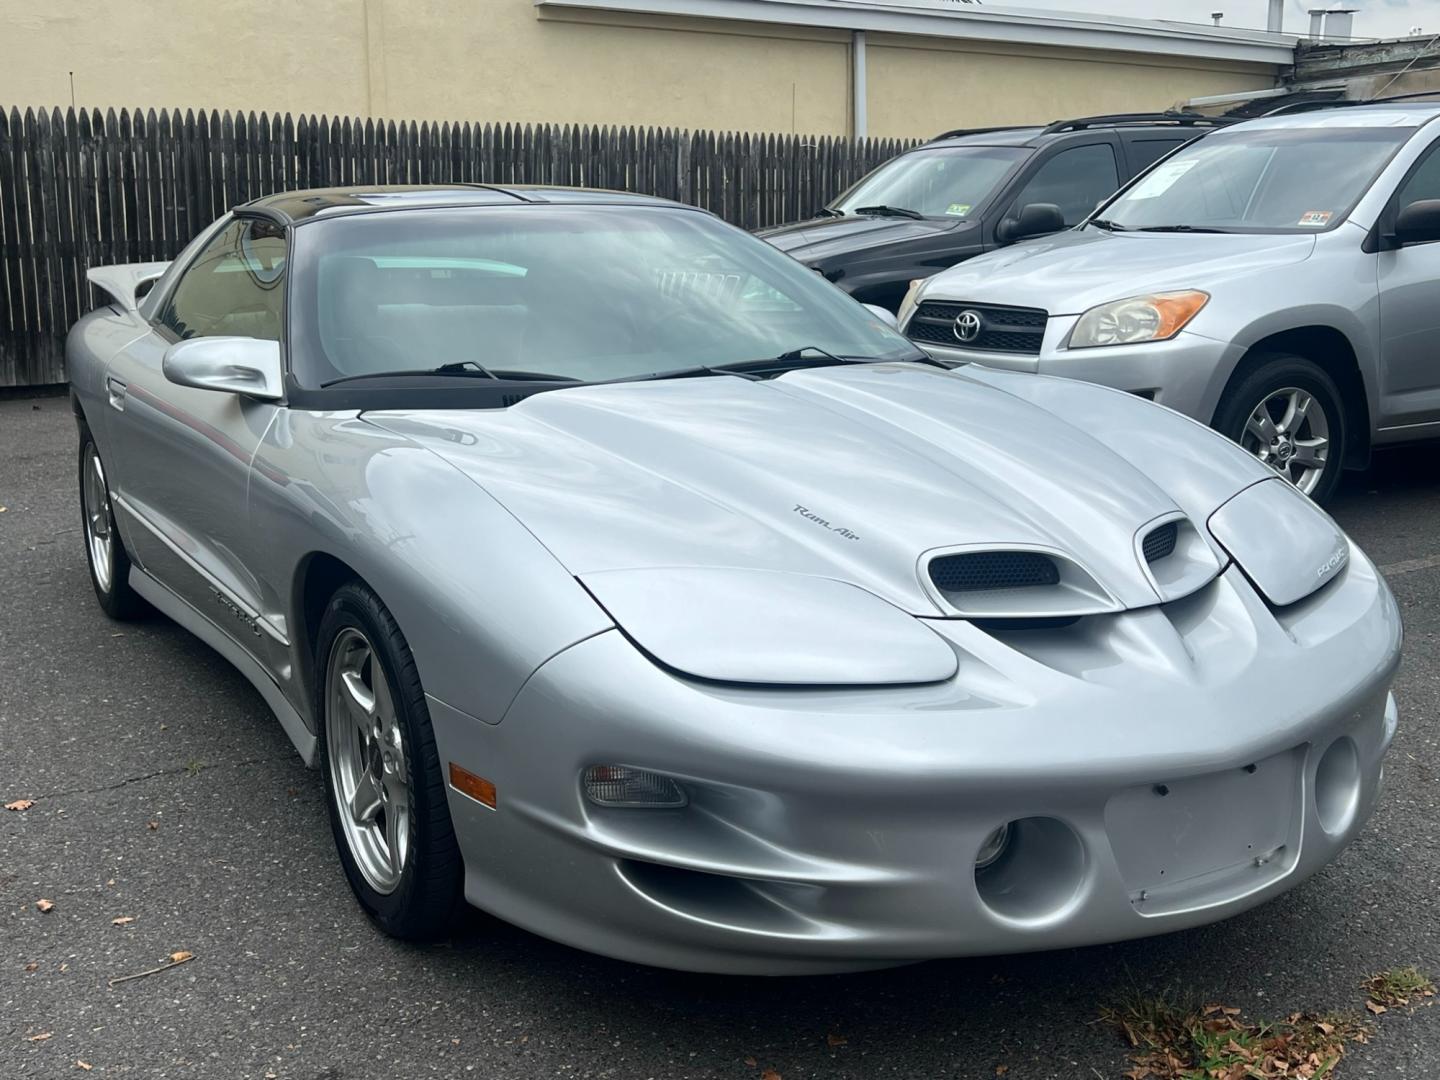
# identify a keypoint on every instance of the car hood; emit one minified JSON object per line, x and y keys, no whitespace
{"x":1073,"y":271}
{"x":811,"y":241}
{"x":851,"y":473}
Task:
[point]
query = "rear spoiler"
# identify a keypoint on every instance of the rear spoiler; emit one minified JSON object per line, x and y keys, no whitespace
{"x":123,"y":282}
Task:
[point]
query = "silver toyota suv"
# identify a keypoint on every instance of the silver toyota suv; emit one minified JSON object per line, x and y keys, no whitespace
{"x":1278,"y":280}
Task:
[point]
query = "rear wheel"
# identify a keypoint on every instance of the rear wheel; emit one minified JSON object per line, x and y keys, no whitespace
{"x":382,"y":773}
{"x":104,"y":550}
{"x":1287,"y":413}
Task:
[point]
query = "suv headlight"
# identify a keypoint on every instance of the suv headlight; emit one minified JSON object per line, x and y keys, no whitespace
{"x":1155,"y":317}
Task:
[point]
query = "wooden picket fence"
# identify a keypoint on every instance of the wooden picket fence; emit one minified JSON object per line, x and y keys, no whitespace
{"x":81,"y":188}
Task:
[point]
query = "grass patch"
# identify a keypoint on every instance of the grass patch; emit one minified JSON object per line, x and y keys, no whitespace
{"x":1176,"y":1039}
{"x":1397,"y":988}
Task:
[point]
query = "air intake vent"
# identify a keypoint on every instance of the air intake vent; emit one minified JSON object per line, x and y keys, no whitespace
{"x":984,"y":571}
{"x":1160,"y":542}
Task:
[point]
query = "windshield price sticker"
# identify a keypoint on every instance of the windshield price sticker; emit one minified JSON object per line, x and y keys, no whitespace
{"x":1316,"y":217}
{"x":958,"y":209}
{"x":1162,"y":178}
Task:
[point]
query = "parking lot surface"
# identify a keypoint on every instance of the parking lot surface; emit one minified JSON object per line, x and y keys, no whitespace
{"x":165,"y":793}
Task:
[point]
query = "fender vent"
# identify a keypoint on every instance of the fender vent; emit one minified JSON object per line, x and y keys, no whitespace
{"x":983,"y":571}
{"x":1160,"y":542}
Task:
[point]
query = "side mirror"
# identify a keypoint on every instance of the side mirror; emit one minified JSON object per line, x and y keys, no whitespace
{"x":885,"y":315}
{"x":235,"y":365}
{"x":1034,"y":219}
{"x":1418,"y":223}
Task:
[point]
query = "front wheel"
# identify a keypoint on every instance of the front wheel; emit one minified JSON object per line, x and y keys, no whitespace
{"x":1287,"y":413}
{"x":383,"y":782}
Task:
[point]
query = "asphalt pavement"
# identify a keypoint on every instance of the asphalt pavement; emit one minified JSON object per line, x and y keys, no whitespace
{"x":165,"y":793}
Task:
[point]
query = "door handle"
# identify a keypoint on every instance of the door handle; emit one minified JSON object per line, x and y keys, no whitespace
{"x":116,"y":390}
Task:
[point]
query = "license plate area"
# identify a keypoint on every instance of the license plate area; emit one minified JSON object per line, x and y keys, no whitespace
{"x":1210,"y":839}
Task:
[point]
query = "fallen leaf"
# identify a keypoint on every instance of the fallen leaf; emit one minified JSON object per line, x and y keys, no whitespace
{"x":3,"y":509}
{"x":1001,"y":1070}
{"x":45,"y":905}
{"x":836,"y":1040}
{"x":41,"y":1037}
{"x":84,"y":1065}
{"x":750,"y":1061}
{"x":1326,"y":1029}
{"x":180,"y":957}
{"x":152,"y":825}
{"x":1375,"y":1007}
{"x":32,"y":966}
{"x":20,"y":804}
{"x":769,"y":1074}
{"x":123,"y":920}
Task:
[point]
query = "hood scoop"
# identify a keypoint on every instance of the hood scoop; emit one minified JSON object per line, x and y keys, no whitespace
{"x":1012,"y":582}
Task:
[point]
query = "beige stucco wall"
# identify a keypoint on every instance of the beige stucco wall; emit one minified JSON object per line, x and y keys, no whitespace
{"x":501,"y":60}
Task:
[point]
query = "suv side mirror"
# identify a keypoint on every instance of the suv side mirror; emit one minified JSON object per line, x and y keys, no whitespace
{"x":885,"y":315}
{"x":235,"y":365}
{"x":1418,"y":223}
{"x":1034,"y":219}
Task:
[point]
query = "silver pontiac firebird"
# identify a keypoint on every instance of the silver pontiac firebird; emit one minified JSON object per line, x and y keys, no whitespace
{"x":629,"y":581}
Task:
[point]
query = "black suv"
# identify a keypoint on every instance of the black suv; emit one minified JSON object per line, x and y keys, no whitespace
{"x":971,"y":191}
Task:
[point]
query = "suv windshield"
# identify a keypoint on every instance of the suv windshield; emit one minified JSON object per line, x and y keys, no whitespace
{"x":566,"y":292}
{"x":940,"y":182}
{"x":1264,"y":179}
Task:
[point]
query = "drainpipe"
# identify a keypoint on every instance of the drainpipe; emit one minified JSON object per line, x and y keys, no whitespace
{"x":1275,"y":21}
{"x":857,"y":83}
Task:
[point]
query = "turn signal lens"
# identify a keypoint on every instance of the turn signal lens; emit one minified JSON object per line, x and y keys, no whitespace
{"x":1140,"y":318}
{"x":993,"y":847}
{"x":477,"y":787}
{"x":620,"y":785}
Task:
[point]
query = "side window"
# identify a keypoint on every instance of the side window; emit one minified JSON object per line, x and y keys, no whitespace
{"x":1074,"y":180}
{"x":1423,"y":183}
{"x":233,"y":288}
{"x":1145,"y":152}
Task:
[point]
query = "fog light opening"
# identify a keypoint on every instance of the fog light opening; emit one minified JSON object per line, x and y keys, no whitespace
{"x":1036,"y":874}
{"x":621,"y":785}
{"x":1337,"y":786}
{"x":993,"y":847}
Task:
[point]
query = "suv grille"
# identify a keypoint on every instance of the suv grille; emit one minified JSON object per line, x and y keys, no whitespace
{"x":978,"y":571}
{"x":1160,"y":542}
{"x":1002,"y":329}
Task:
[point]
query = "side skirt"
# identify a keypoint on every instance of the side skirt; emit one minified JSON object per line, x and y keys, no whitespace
{"x":181,"y":611}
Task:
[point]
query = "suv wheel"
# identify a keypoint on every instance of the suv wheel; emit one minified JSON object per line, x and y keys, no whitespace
{"x":1287,"y":413}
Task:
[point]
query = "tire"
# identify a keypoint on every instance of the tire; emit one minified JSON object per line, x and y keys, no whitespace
{"x":1308,"y":449}
{"x":392,"y":779}
{"x":105,"y":553}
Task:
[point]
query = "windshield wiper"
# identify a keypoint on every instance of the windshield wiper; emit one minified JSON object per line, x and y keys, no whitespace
{"x":890,"y":211}
{"x":465,"y":369}
{"x":1108,"y":225}
{"x":792,"y":360}
{"x":826,"y":211}
{"x":1181,"y":228}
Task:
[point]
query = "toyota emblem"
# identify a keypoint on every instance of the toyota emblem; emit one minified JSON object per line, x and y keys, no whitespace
{"x":968,"y":325}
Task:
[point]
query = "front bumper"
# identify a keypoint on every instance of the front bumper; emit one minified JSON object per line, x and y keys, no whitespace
{"x":1168,"y":767}
{"x":1188,"y":373}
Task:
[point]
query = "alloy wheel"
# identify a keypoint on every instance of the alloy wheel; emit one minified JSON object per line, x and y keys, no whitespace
{"x":99,"y":536}
{"x":1289,"y":431}
{"x":369,"y":768}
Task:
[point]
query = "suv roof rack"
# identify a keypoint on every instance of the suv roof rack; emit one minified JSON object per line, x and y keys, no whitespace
{"x":1183,"y":119}
{"x":1342,"y":103}
{"x":980,"y":131}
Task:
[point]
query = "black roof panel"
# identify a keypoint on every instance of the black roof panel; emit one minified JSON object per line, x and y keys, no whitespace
{"x":296,"y":206}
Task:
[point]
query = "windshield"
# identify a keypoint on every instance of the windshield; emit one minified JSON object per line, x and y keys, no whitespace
{"x":941,"y":182}
{"x":570,"y":292}
{"x":1259,"y":180}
